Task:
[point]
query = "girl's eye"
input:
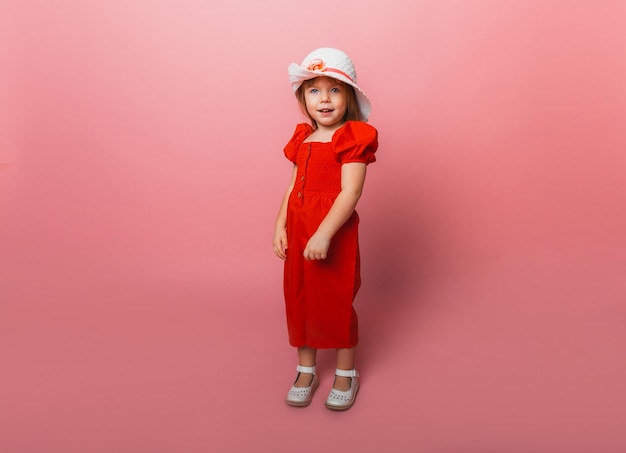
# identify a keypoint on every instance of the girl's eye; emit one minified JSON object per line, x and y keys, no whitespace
{"x":313,"y":90}
{"x":335,"y":90}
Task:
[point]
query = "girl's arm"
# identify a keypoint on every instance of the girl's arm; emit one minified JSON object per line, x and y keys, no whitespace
{"x":352,"y":180}
{"x":280,"y":230}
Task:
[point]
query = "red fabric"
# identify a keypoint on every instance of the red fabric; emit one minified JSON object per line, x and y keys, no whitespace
{"x":319,"y":294}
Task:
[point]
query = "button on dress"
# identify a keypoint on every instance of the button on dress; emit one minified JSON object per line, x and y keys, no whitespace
{"x":319,"y":295}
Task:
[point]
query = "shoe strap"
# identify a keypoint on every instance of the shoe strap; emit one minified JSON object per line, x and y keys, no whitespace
{"x":347,"y":373}
{"x":305,"y":369}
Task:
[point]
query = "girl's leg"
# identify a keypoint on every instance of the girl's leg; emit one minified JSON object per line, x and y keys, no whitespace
{"x":345,"y":361}
{"x":306,"y":357}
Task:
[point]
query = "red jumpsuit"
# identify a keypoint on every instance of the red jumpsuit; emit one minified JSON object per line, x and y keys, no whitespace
{"x":319,"y":294}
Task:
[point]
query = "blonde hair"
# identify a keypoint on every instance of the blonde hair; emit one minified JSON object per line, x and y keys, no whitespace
{"x":352,"y":106}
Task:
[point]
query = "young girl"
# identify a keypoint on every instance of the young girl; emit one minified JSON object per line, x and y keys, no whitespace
{"x":317,"y":227}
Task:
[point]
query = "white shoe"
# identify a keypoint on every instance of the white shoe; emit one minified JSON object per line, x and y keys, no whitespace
{"x":301,"y":396}
{"x":339,"y":400}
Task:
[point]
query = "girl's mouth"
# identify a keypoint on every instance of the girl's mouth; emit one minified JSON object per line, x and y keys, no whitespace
{"x":325,"y":110}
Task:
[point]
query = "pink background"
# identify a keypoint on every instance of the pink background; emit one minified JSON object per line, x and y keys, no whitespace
{"x":141,"y":168}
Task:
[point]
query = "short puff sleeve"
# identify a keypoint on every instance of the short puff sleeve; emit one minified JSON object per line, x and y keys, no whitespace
{"x":356,"y":141}
{"x":302,"y":131}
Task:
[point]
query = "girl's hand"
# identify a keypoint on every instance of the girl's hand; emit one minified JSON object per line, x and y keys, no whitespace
{"x":316,"y":248}
{"x":280,"y":243}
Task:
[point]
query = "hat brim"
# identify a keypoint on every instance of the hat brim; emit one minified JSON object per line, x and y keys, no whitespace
{"x":298,"y":74}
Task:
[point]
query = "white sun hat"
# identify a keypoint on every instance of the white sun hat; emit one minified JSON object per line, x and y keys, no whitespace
{"x":334,"y":63}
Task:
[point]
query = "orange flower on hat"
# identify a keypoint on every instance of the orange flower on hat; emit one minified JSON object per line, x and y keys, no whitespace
{"x":317,"y":65}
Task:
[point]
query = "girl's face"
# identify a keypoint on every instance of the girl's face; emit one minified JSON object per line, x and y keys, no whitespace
{"x":326,"y":102}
